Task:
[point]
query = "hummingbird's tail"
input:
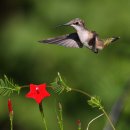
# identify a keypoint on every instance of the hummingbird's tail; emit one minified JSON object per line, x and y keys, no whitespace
{"x":110,"y":40}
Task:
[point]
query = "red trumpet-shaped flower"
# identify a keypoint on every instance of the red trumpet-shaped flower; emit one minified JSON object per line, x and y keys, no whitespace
{"x":10,"y":106}
{"x":37,"y":92}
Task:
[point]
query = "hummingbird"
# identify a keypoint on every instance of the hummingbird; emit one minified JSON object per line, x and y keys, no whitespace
{"x":83,"y":37}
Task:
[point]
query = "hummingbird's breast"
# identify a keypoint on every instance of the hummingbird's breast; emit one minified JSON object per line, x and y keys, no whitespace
{"x":85,"y":36}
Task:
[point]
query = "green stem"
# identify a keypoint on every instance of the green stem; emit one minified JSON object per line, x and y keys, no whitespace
{"x":42,"y":114}
{"x":25,"y":86}
{"x":86,"y":94}
{"x":60,"y":118}
{"x":108,"y":118}
{"x":11,"y":121}
{"x":94,"y":120}
{"x":80,"y":91}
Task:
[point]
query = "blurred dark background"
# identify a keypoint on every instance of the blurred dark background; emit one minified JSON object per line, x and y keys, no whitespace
{"x":22,"y":58}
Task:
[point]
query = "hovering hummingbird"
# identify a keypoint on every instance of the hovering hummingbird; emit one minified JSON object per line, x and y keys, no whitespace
{"x":81,"y":38}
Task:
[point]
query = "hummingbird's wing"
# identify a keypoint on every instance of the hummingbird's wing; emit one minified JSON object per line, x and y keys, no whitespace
{"x":68,"y":40}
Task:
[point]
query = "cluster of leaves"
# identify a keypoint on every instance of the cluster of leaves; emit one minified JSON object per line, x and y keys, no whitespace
{"x":7,"y":87}
{"x":59,"y":85}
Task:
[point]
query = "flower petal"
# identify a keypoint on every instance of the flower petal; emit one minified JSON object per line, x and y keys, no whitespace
{"x":37,"y":92}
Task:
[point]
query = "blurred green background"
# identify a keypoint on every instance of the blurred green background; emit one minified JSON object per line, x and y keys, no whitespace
{"x":24,"y":22}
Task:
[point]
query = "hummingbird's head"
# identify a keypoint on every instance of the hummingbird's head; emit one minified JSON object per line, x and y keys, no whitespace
{"x":76,"y":23}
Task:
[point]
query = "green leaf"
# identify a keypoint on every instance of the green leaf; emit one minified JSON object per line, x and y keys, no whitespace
{"x":7,"y":87}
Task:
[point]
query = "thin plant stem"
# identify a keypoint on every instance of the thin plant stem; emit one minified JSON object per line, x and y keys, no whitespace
{"x":108,"y":118}
{"x":11,"y":121}
{"x":43,"y":117}
{"x":80,"y":91}
{"x":24,"y":86}
{"x":88,"y":95}
{"x":94,"y":120}
{"x":60,"y":118}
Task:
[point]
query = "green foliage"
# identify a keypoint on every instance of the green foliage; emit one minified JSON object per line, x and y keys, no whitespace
{"x":7,"y":87}
{"x":59,"y":85}
{"x":95,"y":102}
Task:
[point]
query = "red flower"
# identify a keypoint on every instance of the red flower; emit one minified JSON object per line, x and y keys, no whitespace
{"x":37,"y":92}
{"x":10,"y":106}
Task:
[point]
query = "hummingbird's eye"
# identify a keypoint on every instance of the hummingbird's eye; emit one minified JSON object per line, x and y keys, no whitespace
{"x":77,"y":23}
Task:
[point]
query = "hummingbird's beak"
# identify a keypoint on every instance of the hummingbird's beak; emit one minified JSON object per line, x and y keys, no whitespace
{"x":66,"y":24}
